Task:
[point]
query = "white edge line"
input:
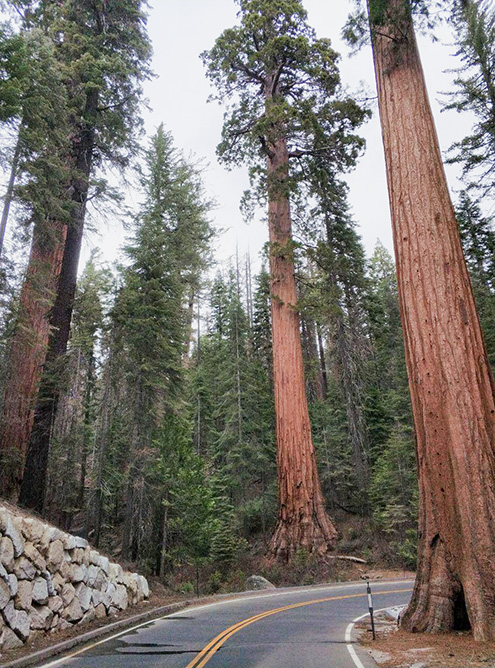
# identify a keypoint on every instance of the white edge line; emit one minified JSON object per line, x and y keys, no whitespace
{"x":58,"y":662}
{"x":348,"y":637}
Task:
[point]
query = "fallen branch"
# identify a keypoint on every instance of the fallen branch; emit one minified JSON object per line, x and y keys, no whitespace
{"x":356,"y":560}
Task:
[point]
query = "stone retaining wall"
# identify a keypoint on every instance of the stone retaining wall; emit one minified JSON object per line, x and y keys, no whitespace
{"x":51,"y":580}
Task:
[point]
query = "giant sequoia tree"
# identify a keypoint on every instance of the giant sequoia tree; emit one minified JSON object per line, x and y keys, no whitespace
{"x":450,"y":380}
{"x":104,"y":55}
{"x":284,"y":84}
{"x":34,"y":100}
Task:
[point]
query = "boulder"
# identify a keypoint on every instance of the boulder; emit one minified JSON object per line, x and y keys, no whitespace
{"x":55,"y":555}
{"x":24,"y":569}
{"x":101,"y":580}
{"x":73,"y":612}
{"x":100,"y":611}
{"x":65,"y":570}
{"x":24,"y":597}
{"x":77,"y":556}
{"x":68,"y":593}
{"x":81,"y":543}
{"x":83,"y":593}
{"x":49,"y":583}
{"x":5,"y":594}
{"x":40,"y":591}
{"x":257,"y":582}
{"x":34,"y":557}
{"x":13,"y":584}
{"x":94,"y":558}
{"x":89,"y":616}
{"x":120,"y":599}
{"x":63,"y":625}
{"x":8,"y":528}
{"x":77,"y":573}
{"x":92,"y":575}
{"x":104,"y":564}
{"x":144,"y":586}
{"x":55,"y":603}
{"x":132,"y":587}
{"x":115,"y":573}
{"x":50,"y":534}
{"x":57,"y":582}
{"x":32,"y":530}
{"x":69,"y":542}
{"x":108,"y":594}
{"x":96,"y":597}
{"x":18,"y":620}
{"x":41,"y":617}
{"x":7,"y":553}
{"x":9,"y":640}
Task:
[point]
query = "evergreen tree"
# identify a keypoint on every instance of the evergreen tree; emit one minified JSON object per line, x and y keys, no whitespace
{"x":340,"y":306}
{"x":150,"y":316}
{"x":284,"y":82}
{"x":103,"y":56}
{"x":387,"y":395}
{"x":38,"y":181}
{"x":75,"y":423}
{"x":237,"y":410}
{"x":478,"y":242}
{"x":393,"y":489}
{"x":474,"y":24}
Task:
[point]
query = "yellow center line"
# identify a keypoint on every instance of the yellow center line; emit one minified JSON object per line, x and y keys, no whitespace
{"x":214,"y":645}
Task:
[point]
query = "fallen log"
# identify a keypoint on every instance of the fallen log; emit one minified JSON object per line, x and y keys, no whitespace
{"x":342,"y":557}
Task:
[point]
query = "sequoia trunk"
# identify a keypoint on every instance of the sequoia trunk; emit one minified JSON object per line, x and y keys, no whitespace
{"x":27,"y":354}
{"x":302,"y":518}
{"x":35,"y":473}
{"x":450,"y":381}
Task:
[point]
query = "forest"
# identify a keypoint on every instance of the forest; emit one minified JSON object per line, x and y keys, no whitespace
{"x":203,"y":419}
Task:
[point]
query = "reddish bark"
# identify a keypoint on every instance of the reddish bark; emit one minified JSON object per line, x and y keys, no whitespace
{"x":450,"y":380}
{"x":27,"y":355}
{"x":302,"y":521}
{"x":33,"y":488}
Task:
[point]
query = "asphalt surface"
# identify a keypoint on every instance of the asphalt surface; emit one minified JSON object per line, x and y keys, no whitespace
{"x":246,"y":632}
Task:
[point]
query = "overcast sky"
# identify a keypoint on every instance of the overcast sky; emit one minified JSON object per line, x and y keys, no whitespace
{"x":181,"y":29}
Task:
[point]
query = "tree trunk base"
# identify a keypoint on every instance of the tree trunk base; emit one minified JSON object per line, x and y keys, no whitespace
{"x":440,"y":603}
{"x":318,"y":536}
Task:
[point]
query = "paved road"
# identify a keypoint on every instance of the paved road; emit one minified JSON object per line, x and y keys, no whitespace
{"x":290,"y":628}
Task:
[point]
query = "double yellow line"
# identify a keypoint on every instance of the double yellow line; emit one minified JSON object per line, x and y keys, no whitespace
{"x":214,"y":645}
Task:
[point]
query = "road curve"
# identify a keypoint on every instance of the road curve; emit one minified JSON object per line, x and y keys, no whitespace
{"x":291,"y":628}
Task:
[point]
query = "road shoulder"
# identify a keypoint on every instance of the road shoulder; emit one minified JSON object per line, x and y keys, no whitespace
{"x":395,"y":648}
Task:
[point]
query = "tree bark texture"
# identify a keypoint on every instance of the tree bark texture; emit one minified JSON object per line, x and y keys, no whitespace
{"x":35,"y":473}
{"x":302,"y":519}
{"x":27,"y":354}
{"x":450,"y":380}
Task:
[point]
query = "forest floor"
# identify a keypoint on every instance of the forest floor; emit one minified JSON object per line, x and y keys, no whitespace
{"x":395,"y":648}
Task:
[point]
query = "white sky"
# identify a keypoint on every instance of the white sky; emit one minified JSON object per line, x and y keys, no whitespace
{"x":180,"y":30}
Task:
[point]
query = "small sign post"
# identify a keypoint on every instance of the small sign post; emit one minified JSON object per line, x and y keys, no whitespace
{"x":370,"y":607}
